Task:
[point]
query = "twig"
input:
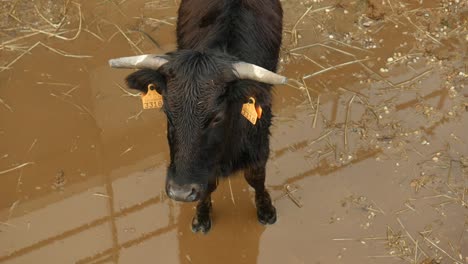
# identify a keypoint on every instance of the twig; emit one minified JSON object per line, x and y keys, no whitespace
{"x":307,"y":58}
{"x":449,"y":174}
{"x":32,"y":145}
{"x":126,"y":151}
{"x":12,"y":208}
{"x":7,"y":224}
{"x":127,"y":38}
{"x":136,"y":116}
{"x":57,"y":51}
{"x":148,"y":37}
{"x":359,"y":239}
{"x":443,"y":251}
{"x":321,"y":137}
{"x":126,"y":92}
{"x":416,"y":252}
{"x":391,"y":7}
{"x":54,"y":83}
{"x":230,"y":189}
{"x":45,"y":19}
{"x":71,"y":90}
{"x":284,"y":195}
{"x":69,"y":102}
{"x":333,"y":67}
{"x":415,"y":78}
{"x":14,"y":17}
{"x":16,"y":168}
{"x":294,"y":31}
{"x":59,"y":36}
{"x":289,"y":193}
{"x":118,"y":7}
{"x":157,"y":20}
{"x":19,"y":38}
{"x":384,"y":256}
{"x":348,"y":54}
{"x":316,"y":111}
{"x":425,"y":32}
{"x":409,"y":235}
{"x":378,"y":207}
{"x":306,"y":12}
{"x":6,"y":105}
{"x":308,"y":95}
{"x":94,"y":34}
{"x":351,"y":46}
{"x":346,"y":121}
{"x":88,"y":111}
{"x":101,"y":195}
{"x":322,"y":45}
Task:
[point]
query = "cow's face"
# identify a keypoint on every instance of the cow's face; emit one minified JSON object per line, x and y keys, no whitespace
{"x":194,"y":90}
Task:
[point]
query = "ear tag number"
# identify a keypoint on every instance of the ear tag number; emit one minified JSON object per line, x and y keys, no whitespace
{"x":251,"y":112}
{"x":152,"y":99}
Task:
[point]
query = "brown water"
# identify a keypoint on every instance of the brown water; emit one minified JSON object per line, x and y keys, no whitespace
{"x":374,"y":152}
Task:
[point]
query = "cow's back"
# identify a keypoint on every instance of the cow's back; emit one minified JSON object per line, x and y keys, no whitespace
{"x":248,"y":29}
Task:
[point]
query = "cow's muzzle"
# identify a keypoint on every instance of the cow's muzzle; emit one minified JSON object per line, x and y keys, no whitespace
{"x":183,"y":193}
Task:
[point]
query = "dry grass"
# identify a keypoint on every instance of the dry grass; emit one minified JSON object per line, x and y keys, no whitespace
{"x":27,"y":30}
{"x":127,"y":93}
{"x":57,"y":51}
{"x":309,"y":10}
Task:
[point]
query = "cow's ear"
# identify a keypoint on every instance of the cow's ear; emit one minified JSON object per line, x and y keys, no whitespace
{"x":140,"y":80}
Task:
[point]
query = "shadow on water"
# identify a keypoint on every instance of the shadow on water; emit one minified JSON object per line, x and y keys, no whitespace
{"x":235,"y":227}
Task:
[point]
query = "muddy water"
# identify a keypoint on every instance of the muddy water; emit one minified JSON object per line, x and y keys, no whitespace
{"x":369,"y":152}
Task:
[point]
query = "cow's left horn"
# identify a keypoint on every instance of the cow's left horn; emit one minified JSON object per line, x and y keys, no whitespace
{"x":139,"y":62}
{"x":253,"y":72}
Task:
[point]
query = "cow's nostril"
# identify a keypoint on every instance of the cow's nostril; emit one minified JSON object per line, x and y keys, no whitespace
{"x":171,"y":193}
{"x":193,"y":195}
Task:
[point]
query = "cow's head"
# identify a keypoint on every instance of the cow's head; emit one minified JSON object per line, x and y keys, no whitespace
{"x":194,"y":90}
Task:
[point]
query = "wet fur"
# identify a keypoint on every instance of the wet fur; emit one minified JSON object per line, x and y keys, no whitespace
{"x":198,"y":84}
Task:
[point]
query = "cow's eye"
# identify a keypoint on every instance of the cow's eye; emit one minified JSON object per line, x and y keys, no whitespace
{"x":217,"y":119}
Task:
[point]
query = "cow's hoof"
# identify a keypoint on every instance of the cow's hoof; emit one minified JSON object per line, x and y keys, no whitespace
{"x":201,"y":223}
{"x":266,"y":214}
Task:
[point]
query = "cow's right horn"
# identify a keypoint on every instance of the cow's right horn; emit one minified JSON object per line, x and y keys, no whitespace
{"x":253,"y":72}
{"x":139,"y":62}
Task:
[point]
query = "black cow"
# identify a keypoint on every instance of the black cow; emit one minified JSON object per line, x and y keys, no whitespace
{"x":227,"y":55}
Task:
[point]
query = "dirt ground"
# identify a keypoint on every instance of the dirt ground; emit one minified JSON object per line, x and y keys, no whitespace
{"x":369,"y":160}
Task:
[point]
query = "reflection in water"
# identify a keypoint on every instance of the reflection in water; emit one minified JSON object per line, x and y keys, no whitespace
{"x":127,"y":222}
{"x":325,"y":168}
{"x":88,"y":222}
{"x":235,"y":234}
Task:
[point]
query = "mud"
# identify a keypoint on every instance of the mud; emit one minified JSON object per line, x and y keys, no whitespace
{"x":369,"y":145}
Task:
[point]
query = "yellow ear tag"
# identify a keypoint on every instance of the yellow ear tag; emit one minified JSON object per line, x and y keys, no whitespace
{"x":152,"y":99}
{"x":251,"y":112}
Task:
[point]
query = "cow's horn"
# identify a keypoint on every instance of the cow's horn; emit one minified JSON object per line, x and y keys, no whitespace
{"x":253,"y":72}
{"x":139,"y":62}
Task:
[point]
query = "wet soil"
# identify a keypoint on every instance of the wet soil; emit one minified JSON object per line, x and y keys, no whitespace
{"x":369,"y":145}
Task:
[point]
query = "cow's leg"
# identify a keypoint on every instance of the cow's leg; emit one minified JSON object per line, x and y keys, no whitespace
{"x":266,"y":212}
{"x":202,"y":220}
